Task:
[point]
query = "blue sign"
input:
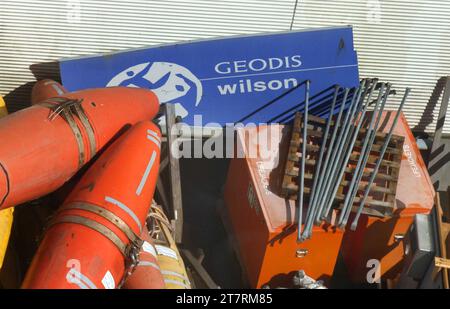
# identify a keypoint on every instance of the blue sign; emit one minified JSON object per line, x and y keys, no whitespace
{"x":256,"y":78}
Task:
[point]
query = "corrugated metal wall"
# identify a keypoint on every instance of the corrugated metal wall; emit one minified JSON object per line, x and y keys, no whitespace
{"x":405,"y":42}
{"x":37,"y":33}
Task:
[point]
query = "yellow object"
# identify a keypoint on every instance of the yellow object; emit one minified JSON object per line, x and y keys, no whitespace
{"x":169,"y":258}
{"x":3,"y":110}
{"x":6,"y":215}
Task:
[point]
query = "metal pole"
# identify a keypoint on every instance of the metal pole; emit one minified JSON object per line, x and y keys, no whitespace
{"x":352,"y":129}
{"x":302,"y":167}
{"x":338,"y":124}
{"x":377,"y":166}
{"x":312,"y":203}
{"x":359,"y":170}
{"x":331,"y":174}
{"x":342,"y":168}
{"x":339,"y":161}
{"x":322,"y":151}
{"x":367,"y":139}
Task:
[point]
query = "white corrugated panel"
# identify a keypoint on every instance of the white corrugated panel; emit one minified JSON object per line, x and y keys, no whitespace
{"x":37,"y":33}
{"x":405,"y":42}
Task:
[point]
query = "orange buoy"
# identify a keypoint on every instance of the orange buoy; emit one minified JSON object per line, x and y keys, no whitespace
{"x":44,"y":145}
{"x":147,"y":274}
{"x":46,"y":89}
{"x":92,"y":241}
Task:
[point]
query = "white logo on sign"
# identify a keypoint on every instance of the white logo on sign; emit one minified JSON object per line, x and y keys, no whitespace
{"x":169,"y":81}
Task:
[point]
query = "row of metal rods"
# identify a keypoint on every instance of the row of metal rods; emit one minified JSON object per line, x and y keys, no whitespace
{"x":322,"y":149}
{"x":318,"y":179}
{"x":335,"y":153}
{"x":345,"y":143}
{"x":378,"y":163}
{"x":363,"y":155}
{"x":322,"y":181}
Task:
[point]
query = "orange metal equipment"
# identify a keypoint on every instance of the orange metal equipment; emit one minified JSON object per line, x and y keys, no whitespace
{"x":377,"y":239}
{"x":147,"y":274}
{"x":263,"y":222}
{"x":46,"y":89}
{"x":92,"y":241}
{"x":44,"y":145}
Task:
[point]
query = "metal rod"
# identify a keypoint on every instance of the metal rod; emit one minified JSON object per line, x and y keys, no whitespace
{"x":362,"y":161}
{"x":338,"y":123}
{"x":339,"y":161}
{"x":343,"y":125}
{"x":347,"y":141}
{"x":367,"y":139}
{"x":340,"y":170}
{"x":302,"y":167}
{"x":308,"y":223}
{"x":352,"y":129}
{"x":322,"y":151}
{"x":378,"y":164}
{"x":289,"y":113}
{"x":331,"y":174}
{"x":332,"y":151}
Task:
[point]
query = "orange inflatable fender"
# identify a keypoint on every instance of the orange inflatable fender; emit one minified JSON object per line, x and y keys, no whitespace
{"x":147,"y":274}
{"x":93,"y":240}
{"x":44,"y":145}
{"x":46,"y":89}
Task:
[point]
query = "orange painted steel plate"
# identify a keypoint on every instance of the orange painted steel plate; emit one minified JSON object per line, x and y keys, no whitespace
{"x":263,"y":222}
